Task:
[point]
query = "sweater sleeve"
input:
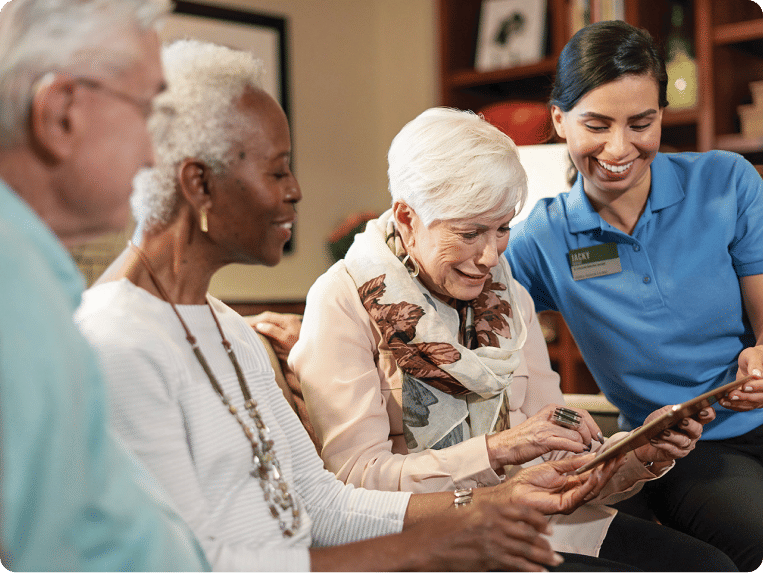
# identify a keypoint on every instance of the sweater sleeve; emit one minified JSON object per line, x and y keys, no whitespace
{"x":336,"y":362}
{"x":339,"y":513}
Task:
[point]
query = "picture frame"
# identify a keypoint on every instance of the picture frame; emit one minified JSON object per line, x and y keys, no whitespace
{"x":511,"y":33}
{"x":265,"y":35}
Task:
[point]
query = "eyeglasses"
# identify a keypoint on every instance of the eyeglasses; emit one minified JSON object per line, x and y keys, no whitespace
{"x":145,"y":107}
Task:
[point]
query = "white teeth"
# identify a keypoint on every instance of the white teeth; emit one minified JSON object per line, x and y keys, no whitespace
{"x":615,"y":168}
{"x":286,"y":225}
{"x":476,"y":277}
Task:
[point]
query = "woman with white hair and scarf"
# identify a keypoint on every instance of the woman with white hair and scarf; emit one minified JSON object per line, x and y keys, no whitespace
{"x":422,"y":362}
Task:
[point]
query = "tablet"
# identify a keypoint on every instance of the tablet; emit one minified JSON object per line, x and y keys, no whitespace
{"x":642,"y":435}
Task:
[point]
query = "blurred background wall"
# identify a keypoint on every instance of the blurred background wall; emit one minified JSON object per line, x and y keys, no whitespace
{"x":360,"y":69}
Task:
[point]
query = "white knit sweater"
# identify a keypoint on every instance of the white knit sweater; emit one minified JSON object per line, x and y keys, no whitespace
{"x":167,"y":411}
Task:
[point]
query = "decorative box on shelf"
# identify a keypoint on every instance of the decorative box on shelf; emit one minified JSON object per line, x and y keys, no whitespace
{"x":751,"y":115}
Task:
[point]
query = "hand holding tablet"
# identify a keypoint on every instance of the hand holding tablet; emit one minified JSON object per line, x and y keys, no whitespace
{"x":645,"y":433}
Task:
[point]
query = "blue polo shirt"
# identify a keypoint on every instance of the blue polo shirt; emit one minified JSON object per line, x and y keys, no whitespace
{"x":669,"y":323}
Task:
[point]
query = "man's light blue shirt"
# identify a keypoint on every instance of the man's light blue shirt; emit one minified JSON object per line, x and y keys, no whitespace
{"x":671,"y":324}
{"x":71,"y":497}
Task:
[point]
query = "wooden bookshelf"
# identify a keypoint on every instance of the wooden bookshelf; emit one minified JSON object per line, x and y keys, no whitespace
{"x":727,"y":36}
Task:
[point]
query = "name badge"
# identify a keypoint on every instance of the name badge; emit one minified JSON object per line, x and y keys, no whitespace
{"x":596,"y":261}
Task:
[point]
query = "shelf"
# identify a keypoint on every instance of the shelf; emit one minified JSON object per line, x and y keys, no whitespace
{"x":738,"y":32}
{"x":739,"y":144}
{"x":673,"y":117}
{"x":472,"y":78}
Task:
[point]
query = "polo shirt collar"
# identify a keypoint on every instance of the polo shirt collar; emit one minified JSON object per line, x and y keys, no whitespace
{"x":666,"y":190}
{"x":22,"y":221}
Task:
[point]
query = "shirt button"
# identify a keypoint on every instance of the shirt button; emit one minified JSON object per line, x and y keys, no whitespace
{"x":636,"y":248}
{"x":647,"y":280}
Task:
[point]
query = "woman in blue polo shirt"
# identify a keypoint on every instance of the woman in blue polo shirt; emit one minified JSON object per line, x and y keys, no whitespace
{"x":655,"y":261}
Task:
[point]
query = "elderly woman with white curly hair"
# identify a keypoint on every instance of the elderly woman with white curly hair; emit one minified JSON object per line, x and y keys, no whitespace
{"x":422,"y":362}
{"x":192,"y":389}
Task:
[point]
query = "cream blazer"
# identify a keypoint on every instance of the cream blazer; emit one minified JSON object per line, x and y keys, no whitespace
{"x":353,"y":393}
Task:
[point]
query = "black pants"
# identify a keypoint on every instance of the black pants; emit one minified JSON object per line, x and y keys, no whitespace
{"x":575,"y":562}
{"x":649,"y":546}
{"x":635,"y":544}
{"x":716,"y":494}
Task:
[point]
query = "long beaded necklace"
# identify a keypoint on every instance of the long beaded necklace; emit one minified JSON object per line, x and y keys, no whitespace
{"x":267,"y":469}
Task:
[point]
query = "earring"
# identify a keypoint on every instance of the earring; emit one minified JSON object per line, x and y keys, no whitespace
{"x":414,"y":272}
{"x":203,"y":223}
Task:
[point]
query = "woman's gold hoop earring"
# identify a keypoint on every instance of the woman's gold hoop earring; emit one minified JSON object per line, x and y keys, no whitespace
{"x":203,"y":223}
{"x":414,"y":272}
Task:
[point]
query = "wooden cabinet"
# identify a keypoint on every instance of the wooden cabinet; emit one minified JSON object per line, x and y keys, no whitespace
{"x":733,"y":34}
{"x":727,"y":36}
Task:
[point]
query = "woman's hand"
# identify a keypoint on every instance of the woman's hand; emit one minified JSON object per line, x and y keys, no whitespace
{"x":676,"y":442}
{"x":486,"y":537}
{"x":477,"y":537}
{"x":281,"y":329}
{"x":749,"y":396}
{"x":538,"y":435}
{"x":548,"y":488}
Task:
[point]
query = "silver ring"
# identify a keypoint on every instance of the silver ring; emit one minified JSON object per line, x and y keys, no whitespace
{"x":567,"y":418}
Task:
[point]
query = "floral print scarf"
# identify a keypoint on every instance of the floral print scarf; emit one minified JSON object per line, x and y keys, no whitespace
{"x":451,"y":390}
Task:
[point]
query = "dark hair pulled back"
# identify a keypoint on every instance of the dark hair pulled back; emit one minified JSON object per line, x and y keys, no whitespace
{"x":601,"y":53}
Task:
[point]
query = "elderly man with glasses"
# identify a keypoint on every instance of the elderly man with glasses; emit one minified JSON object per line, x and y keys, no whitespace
{"x":77,"y":78}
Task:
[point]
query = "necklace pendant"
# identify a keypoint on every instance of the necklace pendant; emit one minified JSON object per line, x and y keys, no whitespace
{"x":286,"y":502}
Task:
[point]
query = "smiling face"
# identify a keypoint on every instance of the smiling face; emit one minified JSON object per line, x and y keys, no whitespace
{"x":456,"y":255}
{"x":253,"y":201}
{"x":613,"y":134}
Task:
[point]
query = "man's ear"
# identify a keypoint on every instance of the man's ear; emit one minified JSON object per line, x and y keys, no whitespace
{"x":193,"y":179}
{"x":51,"y":121}
{"x":557,"y":115}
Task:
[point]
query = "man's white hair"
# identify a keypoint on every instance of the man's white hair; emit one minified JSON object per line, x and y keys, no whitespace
{"x":196,"y":117}
{"x":78,"y":37}
{"x":450,"y":164}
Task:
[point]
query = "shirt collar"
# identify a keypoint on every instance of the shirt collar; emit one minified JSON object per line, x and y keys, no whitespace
{"x":666,"y":190}
{"x":22,"y":221}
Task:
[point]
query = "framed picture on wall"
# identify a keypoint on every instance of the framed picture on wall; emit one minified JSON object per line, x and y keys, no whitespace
{"x":511,"y":33}
{"x":265,"y":35}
